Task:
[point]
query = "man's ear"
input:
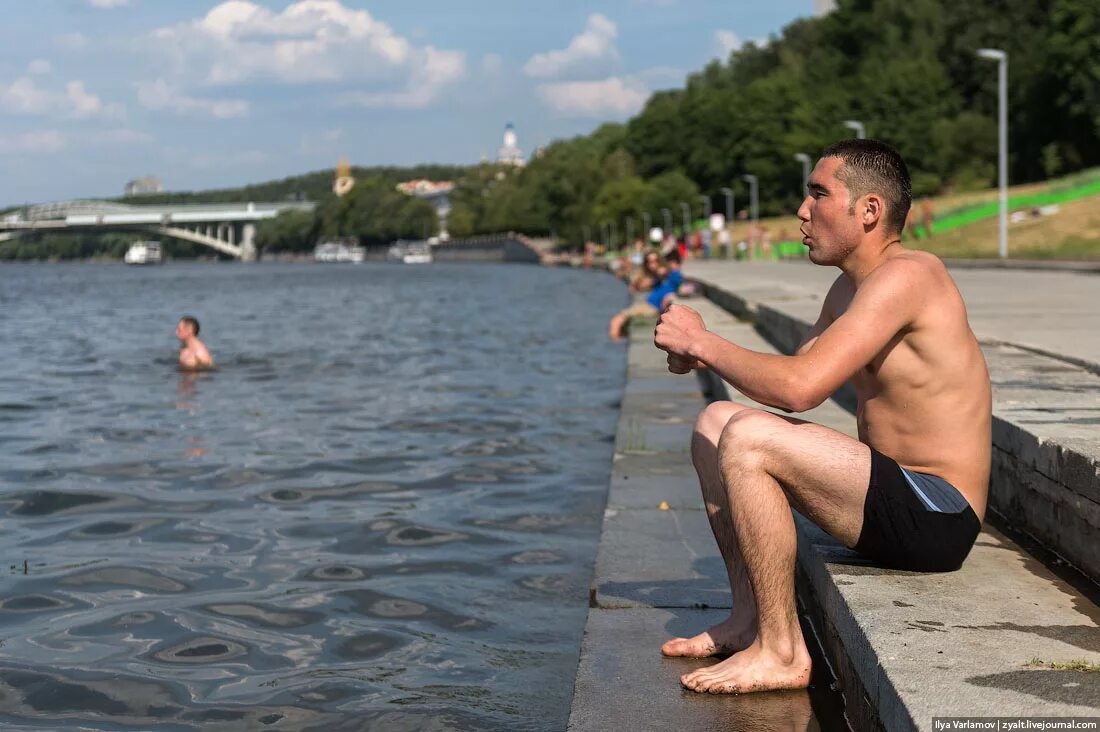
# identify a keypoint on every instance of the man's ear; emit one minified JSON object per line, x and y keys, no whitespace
{"x":872,"y":210}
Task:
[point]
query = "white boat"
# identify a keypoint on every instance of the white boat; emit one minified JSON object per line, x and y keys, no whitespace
{"x":144,"y":252}
{"x":411,"y":252}
{"x":340,"y":251}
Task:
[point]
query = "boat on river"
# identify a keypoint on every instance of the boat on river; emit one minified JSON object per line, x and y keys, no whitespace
{"x":144,"y":252}
{"x":411,"y":252}
{"x":339,"y":251}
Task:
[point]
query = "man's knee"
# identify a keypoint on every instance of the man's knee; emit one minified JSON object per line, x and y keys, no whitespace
{"x":712,"y":420}
{"x":745,"y":436}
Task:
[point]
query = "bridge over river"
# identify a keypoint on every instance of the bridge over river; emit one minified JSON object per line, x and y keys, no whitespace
{"x":225,"y":227}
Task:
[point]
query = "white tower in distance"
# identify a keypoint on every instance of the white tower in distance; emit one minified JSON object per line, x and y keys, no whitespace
{"x":509,"y":153}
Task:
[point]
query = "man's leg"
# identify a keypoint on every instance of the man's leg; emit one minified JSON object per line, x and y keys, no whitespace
{"x":739,"y":630}
{"x":768,"y":464}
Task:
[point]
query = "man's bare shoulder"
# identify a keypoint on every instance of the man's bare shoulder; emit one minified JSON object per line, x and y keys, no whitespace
{"x":906,"y":272}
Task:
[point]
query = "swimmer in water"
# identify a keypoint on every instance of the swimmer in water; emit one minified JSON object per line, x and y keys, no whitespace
{"x":193,"y":353}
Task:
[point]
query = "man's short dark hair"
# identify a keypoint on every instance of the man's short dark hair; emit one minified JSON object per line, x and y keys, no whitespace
{"x":871,"y":166}
{"x":192,"y":321}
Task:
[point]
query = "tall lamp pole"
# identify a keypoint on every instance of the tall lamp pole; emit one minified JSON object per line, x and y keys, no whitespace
{"x":805,"y":160}
{"x":855,"y":126}
{"x":728,"y":193}
{"x":685,"y":209}
{"x":995,"y":54}
{"x":754,"y":193}
{"x":646,"y":224}
{"x":706,"y":206}
{"x":668,"y":220}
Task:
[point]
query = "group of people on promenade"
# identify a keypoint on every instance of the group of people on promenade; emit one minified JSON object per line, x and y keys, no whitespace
{"x":910,"y":493}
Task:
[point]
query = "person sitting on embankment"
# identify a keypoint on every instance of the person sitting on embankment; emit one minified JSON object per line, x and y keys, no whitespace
{"x":193,"y":353}
{"x":909,"y":494}
{"x":664,"y":279}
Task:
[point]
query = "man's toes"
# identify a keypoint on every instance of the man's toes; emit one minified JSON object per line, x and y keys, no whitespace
{"x":690,"y":680}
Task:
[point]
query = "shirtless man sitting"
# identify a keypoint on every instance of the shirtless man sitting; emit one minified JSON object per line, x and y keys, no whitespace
{"x":909,"y":494}
{"x":193,"y":353}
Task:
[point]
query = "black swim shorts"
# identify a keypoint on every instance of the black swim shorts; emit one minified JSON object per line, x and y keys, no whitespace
{"x":915,"y":521}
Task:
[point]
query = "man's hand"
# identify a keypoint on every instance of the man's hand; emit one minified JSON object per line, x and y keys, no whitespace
{"x":678,"y":328}
{"x":681,"y":365}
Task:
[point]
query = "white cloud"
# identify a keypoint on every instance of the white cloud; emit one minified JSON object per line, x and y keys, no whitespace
{"x":595,"y":43}
{"x":430,"y":73}
{"x":614,"y":96}
{"x":727,"y":41}
{"x":39,"y":141}
{"x":310,"y":41}
{"x":160,"y":95}
{"x":24,"y":96}
{"x":108,"y":3}
{"x":39,"y":66}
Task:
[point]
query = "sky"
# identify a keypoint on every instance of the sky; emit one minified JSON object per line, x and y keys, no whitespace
{"x":214,"y":94}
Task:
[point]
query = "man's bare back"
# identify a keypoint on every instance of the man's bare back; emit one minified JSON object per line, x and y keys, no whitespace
{"x":193,"y":352}
{"x":925,"y":399}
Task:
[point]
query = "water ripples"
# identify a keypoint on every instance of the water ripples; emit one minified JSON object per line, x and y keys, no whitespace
{"x":366,"y":518}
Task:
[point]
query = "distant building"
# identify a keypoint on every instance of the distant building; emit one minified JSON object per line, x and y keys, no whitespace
{"x":509,"y":153}
{"x":344,"y":181}
{"x":824,"y":7}
{"x":143,"y":186}
{"x":436,"y":193}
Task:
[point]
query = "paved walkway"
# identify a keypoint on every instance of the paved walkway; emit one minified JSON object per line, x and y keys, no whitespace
{"x":1054,"y":312}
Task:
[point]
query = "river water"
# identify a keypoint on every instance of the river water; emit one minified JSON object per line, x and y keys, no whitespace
{"x":381,"y":511}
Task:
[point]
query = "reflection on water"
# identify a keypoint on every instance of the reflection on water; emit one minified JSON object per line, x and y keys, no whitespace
{"x":380,"y":512}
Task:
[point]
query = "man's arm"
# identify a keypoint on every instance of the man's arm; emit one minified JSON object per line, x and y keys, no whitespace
{"x":881,"y":308}
{"x":829,"y":307}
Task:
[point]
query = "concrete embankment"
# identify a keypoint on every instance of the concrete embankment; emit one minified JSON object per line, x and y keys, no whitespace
{"x":905,"y":647}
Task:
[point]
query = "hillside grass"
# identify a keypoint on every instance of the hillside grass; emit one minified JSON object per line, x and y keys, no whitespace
{"x":1071,"y":233}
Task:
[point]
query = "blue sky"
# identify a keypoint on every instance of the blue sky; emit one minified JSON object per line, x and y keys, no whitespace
{"x":207,"y":94}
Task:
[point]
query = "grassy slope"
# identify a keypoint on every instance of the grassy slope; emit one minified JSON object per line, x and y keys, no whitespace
{"x":1072,"y":233}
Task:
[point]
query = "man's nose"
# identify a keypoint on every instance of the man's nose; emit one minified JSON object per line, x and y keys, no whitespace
{"x":804,"y":209}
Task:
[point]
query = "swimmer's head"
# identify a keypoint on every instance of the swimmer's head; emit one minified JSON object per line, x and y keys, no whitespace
{"x":187,"y":327}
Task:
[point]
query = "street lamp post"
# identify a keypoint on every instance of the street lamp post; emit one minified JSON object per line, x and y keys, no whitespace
{"x":855,"y":126}
{"x":995,"y":54}
{"x":706,"y":206}
{"x":647,"y":225}
{"x":754,"y":193}
{"x":668,"y":220}
{"x":805,"y":160}
{"x":728,"y":193}
{"x":685,"y":209}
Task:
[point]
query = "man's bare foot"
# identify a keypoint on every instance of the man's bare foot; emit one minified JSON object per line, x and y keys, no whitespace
{"x":753,"y":669}
{"x":729,"y":636}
